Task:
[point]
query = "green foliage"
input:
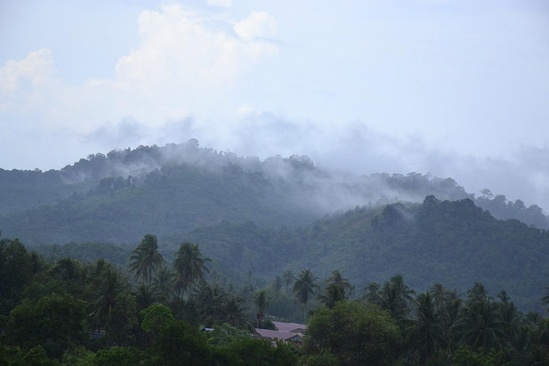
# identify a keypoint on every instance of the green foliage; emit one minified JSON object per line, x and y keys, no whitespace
{"x":465,"y":356}
{"x":256,"y":352}
{"x":437,"y":327}
{"x":16,"y":272}
{"x":305,"y":286}
{"x":216,"y":305}
{"x":156,"y":317}
{"x":119,"y":356}
{"x":55,"y":322}
{"x":355,"y":333}
{"x":180,"y":344}
{"x":189,"y":266}
{"x":323,"y":358}
{"x":146,"y":259}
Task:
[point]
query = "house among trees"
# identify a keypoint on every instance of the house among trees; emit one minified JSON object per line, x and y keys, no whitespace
{"x":285,"y":332}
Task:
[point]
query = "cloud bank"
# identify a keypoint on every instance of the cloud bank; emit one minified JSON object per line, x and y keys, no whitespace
{"x":430,"y":86}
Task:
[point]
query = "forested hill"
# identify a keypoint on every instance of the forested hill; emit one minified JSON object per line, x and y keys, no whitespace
{"x":120,"y":196}
{"x":451,"y":242}
{"x":456,"y":243}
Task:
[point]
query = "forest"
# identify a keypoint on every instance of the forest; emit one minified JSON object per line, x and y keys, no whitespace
{"x":175,"y":254}
{"x":121,"y":196}
{"x":154,"y":312}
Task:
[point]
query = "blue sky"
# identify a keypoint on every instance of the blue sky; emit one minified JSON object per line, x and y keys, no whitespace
{"x":454,"y":88}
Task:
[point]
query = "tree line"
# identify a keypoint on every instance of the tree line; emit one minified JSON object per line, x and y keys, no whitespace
{"x":152,"y":312}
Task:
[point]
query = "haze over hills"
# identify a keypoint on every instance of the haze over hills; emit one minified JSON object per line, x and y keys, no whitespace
{"x":120,"y":196}
{"x":262,"y":217}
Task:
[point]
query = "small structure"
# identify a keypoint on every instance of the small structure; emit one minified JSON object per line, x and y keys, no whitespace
{"x":285,"y":332}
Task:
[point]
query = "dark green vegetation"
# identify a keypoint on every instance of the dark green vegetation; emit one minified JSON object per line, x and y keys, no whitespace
{"x":121,"y":196}
{"x":72,"y":313}
{"x":456,"y":243}
{"x":265,"y":217}
{"x":268,"y":231}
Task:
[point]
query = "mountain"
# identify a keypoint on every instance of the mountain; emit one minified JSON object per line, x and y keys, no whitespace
{"x":454,"y":243}
{"x":167,"y":190}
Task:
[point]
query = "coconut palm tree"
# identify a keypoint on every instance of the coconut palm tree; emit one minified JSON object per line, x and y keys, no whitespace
{"x":397,"y":298}
{"x":332,"y":294}
{"x":480,"y":324}
{"x":288,"y":278}
{"x":233,"y":310}
{"x":105,"y":290}
{"x":145,"y":259}
{"x":427,"y":332}
{"x":373,"y":294}
{"x":337,"y":289}
{"x":163,"y":283}
{"x":261,"y":301}
{"x":304,"y":287}
{"x":189,"y":266}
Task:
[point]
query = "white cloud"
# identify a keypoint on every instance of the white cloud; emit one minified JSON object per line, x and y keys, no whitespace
{"x":221,"y":3}
{"x":23,"y":82}
{"x":37,"y":68}
{"x":185,"y":63}
{"x":257,"y":26}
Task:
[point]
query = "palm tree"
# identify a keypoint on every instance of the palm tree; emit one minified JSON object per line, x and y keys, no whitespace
{"x":304,"y":287}
{"x":288,"y":277}
{"x":333,"y":293}
{"x":480,"y":324}
{"x":373,"y":294}
{"x":110,"y":284}
{"x":145,"y":296}
{"x":189,"y":266}
{"x":336,"y":278}
{"x":261,"y":302}
{"x":277,"y":284}
{"x":427,"y":332}
{"x":448,"y":306}
{"x":163,"y":283}
{"x":146,"y":259}
{"x":233,"y":311}
{"x":397,"y":298}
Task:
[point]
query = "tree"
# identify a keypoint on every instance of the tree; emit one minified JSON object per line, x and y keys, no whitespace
{"x":480,"y":324}
{"x":397,"y":298}
{"x":189,"y":266}
{"x":373,"y":294}
{"x":338,"y":289}
{"x":277,"y":284}
{"x":55,"y":322}
{"x":180,"y":344}
{"x":163,"y":284}
{"x":261,"y":301}
{"x":304,"y":287}
{"x":426,"y":334}
{"x":16,"y":272}
{"x":146,"y":259}
{"x":447,"y":307}
{"x":108,"y":286}
{"x":333,"y":293}
{"x":288,"y":278}
{"x":216,"y":305}
{"x":355,"y":333}
{"x":155,"y":318}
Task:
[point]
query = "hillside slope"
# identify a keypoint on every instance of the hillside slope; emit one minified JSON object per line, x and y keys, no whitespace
{"x":120,"y":196}
{"x":454,"y":243}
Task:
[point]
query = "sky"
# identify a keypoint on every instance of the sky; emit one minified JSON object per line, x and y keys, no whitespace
{"x":453,"y":88}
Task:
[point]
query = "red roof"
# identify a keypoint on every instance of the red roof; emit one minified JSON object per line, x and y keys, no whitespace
{"x":285,"y":332}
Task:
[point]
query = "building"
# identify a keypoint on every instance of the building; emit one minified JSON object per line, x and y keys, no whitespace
{"x":285,"y":332}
